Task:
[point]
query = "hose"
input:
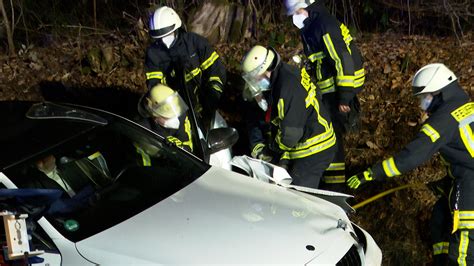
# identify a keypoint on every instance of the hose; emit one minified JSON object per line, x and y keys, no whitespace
{"x":385,"y":193}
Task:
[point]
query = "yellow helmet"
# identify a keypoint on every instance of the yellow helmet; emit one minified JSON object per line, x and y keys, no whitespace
{"x":165,"y":102}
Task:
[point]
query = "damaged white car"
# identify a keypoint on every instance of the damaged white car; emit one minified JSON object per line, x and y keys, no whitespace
{"x":99,"y":189}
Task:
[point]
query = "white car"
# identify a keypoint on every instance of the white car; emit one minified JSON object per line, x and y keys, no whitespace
{"x":124,"y":196}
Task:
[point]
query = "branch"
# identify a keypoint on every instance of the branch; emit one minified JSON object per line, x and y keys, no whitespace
{"x":11,"y":45}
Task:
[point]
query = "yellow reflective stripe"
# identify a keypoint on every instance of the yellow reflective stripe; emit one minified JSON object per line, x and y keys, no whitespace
{"x":154,"y":75}
{"x":311,"y":98}
{"x":309,"y":142}
{"x":466,"y":219}
{"x":466,"y":215}
{"x":175,"y":140}
{"x":325,"y":83}
{"x":441,"y":248}
{"x":145,"y":157}
{"x":316,"y":56}
{"x":359,"y":78}
{"x":281,"y":109}
{"x":192,"y":74}
{"x":215,"y":78}
{"x":341,"y":80}
{"x":326,"y":86}
{"x":333,"y":53}
{"x":311,"y":150}
{"x":463,"y":112}
{"x":463,"y":245}
{"x":216,"y":88}
{"x":94,"y":155}
{"x":467,"y":138}
{"x":345,"y":81}
{"x":430,"y":132}
{"x":465,"y":116}
{"x":336,"y":167}
{"x":212,"y":58}
{"x":346,"y":36}
{"x":187,"y":129}
{"x":334,"y":179}
{"x":390,"y":168}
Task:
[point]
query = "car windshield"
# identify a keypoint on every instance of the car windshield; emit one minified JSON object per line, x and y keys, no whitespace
{"x":106,"y":175}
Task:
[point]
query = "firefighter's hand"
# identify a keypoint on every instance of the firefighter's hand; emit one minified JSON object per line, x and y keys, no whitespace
{"x":356,"y":181}
{"x":344,"y":108}
{"x":284,"y":163}
{"x":260,"y":151}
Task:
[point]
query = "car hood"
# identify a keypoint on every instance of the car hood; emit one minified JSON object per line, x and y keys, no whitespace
{"x":225,"y":217}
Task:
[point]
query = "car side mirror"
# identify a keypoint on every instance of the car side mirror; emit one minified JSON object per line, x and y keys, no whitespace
{"x":221,"y":138}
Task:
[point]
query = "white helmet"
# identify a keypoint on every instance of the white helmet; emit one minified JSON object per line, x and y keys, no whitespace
{"x":293,"y":5}
{"x":432,"y":78}
{"x":257,"y":60}
{"x":163,"y":22}
{"x":164,"y":102}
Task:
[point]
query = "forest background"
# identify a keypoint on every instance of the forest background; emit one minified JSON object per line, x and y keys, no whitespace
{"x":96,"y":46}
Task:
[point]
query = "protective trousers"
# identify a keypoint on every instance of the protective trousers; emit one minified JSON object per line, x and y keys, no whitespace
{"x":461,"y":240}
{"x":307,"y":171}
{"x":334,"y":176}
{"x":440,"y":226}
{"x":454,"y":248}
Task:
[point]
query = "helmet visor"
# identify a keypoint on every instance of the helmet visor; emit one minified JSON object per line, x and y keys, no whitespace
{"x":172,"y":106}
{"x":256,"y":81}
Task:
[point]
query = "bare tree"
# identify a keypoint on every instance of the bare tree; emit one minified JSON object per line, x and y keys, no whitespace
{"x":8,"y":29}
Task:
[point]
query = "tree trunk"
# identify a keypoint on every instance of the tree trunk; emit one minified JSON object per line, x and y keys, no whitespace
{"x":8,"y":29}
{"x":219,"y":22}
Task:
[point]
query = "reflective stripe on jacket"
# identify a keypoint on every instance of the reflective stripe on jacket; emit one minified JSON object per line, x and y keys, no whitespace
{"x":303,"y":126}
{"x":337,"y":62}
{"x":191,"y":60}
{"x":449,"y":131}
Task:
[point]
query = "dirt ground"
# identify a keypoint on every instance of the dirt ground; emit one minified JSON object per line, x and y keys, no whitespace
{"x":398,"y":221}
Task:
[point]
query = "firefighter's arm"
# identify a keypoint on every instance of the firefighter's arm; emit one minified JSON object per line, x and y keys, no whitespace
{"x":336,"y":45}
{"x":153,"y":71}
{"x":421,"y":149}
{"x":291,"y":115}
{"x":427,"y":142}
{"x":214,"y":73}
{"x":183,"y":136}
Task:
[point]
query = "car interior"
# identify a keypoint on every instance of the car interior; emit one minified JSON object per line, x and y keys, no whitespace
{"x":115,"y":171}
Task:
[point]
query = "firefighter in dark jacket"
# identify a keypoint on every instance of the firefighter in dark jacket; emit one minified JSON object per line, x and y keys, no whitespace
{"x":184,"y":61}
{"x":449,"y":131}
{"x":164,"y":112}
{"x":337,"y":66}
{"x":302,"y":136}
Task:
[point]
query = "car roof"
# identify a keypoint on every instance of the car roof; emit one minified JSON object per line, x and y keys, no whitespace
{"x":22,"y":137}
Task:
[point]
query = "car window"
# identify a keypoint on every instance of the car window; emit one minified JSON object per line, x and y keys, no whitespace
{"x":106,"y":175}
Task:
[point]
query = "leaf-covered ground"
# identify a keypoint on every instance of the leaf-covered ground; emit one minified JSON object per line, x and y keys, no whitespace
{"x":398,"y":221}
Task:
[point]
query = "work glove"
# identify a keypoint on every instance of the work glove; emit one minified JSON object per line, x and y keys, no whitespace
{"x":284,"y":163}
{"x":260,"y":151}
{"x":356,"y":181}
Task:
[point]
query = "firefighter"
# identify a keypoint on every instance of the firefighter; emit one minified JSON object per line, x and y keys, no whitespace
{"x":165,"y":112}
{"x":336,"y":64}
{"x":302,"y":136}
{"x":184,"y":61}
{"x":449,"y":131}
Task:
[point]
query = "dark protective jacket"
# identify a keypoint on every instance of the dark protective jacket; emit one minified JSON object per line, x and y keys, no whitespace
{"x":302,"y":125}
{"x":190,"y":61}
{"x":336,"y":62}
{"x":449,"y":131}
